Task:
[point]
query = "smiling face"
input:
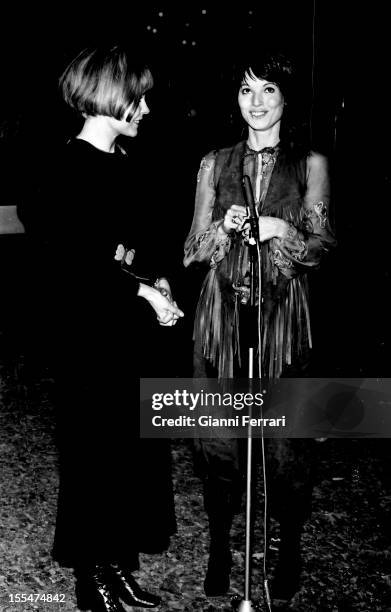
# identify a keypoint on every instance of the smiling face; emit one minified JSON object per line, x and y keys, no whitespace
{"x":261,"y":104}
{"x":133,"y":117}
{"x":128,"y":126}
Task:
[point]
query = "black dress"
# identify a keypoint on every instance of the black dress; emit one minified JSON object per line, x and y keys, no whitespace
{"x":115,"y":495}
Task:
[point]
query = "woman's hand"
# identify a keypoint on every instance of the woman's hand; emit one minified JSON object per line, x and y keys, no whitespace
{"x":166,"y":310}
{"x":169,"y":320}
{"x":164,"y":287}
{"x":234,"y":218}
{"x":272,"y":227}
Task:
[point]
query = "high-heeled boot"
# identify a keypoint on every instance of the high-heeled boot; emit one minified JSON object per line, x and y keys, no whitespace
{"x":94,"y":590}
{"x":128,"y":589}
{"x":219,"y":506}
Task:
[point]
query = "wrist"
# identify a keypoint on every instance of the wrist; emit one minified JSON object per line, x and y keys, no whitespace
{"x":145,"y":291}
{"x":222,"y":232}
{"x":284,"y":230}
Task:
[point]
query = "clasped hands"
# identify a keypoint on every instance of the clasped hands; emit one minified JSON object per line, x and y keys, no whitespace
{"x":166,"y":309}
{"x":160,"y":299}
{"x":236,"y":219}
{"x":159,"y":296}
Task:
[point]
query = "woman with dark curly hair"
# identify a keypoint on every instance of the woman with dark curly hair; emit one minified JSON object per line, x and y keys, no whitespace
{"x":290,"y":183}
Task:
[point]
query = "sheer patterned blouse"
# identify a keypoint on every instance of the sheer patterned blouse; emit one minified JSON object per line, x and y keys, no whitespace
{"x":296,"y":189}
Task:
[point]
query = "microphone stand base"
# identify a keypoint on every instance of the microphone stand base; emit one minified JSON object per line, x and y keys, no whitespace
{"x":245,"y":605}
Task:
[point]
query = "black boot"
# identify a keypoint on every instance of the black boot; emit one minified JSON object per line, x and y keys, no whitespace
{"x":220,"y":508}
{"x":95,"y":592}
{"x":286,"y":580}
{"x":218,"y":574}
{"x":128,"y":589}
{"x":291,"y":469}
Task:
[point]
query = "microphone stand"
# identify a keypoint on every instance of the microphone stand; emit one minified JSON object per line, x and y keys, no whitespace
{"x":246,"y":605}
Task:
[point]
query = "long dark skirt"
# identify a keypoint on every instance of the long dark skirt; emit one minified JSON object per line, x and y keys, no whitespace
{"x":116,"y":495}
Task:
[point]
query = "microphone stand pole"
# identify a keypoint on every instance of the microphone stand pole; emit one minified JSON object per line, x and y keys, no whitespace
{"x":246,"y":605}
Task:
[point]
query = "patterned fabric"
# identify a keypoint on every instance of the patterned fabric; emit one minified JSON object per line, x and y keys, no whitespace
{"x":289,"y":185}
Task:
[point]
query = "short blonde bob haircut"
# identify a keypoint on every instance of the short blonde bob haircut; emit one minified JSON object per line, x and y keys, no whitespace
{"x":104,"y":82}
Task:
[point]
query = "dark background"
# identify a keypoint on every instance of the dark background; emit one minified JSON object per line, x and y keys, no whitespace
{"x":344,"y":59}
{"x":191,"y":52}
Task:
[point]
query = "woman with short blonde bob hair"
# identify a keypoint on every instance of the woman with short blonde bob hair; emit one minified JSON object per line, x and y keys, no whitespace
{"x":104,"y":82}
{"x":116,"y":497}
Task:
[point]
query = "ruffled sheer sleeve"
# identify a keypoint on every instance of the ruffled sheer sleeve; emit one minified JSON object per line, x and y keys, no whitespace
{"x":305,"y":244}
{"x":206,"y":241}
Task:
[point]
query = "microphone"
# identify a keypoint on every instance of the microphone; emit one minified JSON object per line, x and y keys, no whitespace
{"x":248,"y":192}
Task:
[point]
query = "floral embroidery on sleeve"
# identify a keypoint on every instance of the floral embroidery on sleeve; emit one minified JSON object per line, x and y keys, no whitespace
{"x":280,"y":261}
{"x":309,"y":235}
{"x":294,"y":244}
{"x":300,"y":250}
{"x":317,"y":214}
{"x":321,"y":210}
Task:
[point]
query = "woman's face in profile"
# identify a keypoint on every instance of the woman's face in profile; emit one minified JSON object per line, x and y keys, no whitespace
{"x":134,"y":116}
{"x":128,"y":126}
{"x":261,"y":103}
